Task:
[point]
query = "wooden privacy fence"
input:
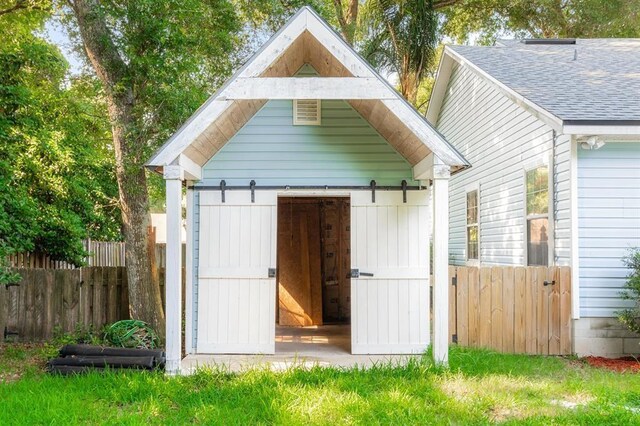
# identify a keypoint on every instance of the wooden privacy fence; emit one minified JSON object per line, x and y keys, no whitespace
{"x":511,"y":309}
{"x":47,"y":300}
{"x":103,"y":253}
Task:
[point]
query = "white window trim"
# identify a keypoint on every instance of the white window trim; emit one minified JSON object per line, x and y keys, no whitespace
{"x":544,"y":161}
{"x":472,"y":262}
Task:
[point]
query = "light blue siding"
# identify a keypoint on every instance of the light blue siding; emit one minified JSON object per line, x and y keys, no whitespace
{"x":344,"y":150}
{"x":608,"y":223}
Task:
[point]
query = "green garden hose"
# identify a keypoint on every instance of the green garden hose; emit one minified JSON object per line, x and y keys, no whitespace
{"x":132,"y":334}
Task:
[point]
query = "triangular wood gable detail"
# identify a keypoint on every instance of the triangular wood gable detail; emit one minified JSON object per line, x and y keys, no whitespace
{"x":305,"y":39}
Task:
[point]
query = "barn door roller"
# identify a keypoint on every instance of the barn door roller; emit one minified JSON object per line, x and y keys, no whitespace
{"x":404,"y":191}
{"x":252,"y":187}
{"x":373,"y":191}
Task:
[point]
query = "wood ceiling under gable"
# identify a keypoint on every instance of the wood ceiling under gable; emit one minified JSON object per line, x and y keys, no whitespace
{"x":306,"y":49}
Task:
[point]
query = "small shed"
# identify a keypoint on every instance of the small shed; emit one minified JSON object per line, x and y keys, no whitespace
{"x":314,"y":193}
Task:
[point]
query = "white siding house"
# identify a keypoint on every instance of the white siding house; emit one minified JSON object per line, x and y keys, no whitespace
{"x":306,"y":118}
{"x":520,"y":110}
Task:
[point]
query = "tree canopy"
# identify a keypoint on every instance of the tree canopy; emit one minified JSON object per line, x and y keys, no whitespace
{"x":487,"y":20}
{"x":56,"y":169}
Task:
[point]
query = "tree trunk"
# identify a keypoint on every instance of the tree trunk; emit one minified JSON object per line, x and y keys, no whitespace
{"x":348,"y":20}
{"x":409,"y":83}
{"x":145,"y":302}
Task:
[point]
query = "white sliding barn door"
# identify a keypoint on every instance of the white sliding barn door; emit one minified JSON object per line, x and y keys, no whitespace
{"x":236,"y":297}
{"x":390,"y":239}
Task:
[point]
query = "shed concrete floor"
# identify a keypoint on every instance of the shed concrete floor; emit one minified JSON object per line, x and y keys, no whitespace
{"x":305,"y":347}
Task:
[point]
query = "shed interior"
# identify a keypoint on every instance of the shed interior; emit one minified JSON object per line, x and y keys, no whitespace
{"x":313,"y":261}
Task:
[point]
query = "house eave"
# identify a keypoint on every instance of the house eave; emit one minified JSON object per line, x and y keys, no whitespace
{"x":627,"y":128}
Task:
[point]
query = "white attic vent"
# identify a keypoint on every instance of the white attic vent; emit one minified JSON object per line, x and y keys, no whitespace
{"x":306,"y":112}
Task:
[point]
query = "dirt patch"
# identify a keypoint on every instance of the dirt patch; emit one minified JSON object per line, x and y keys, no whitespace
{"x":626,"y":364}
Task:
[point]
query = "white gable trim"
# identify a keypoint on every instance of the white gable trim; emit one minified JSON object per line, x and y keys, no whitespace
{"x":442,"y":81}
{"x":307,"y":88}
{"x":305,"y":20}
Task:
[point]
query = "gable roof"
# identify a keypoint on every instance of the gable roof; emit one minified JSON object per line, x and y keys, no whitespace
{"x":593,"y":82}
{"x":305,"y":39}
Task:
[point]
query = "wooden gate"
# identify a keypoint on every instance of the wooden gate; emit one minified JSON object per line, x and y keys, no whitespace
{"x":511,"y":309}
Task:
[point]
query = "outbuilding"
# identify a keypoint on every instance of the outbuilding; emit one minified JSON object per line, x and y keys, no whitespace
{"x":314,"y":194}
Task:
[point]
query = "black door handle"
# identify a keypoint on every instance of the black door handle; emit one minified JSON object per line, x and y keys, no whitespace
{"x":355,"y":273}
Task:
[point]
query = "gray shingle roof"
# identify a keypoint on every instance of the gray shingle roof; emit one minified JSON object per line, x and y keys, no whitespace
{"x":594,"y":80}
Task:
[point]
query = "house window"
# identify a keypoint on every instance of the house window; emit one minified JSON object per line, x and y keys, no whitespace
{"x":537,"y":199}
{"x":473,"y":234}
{"x":307,"y":112}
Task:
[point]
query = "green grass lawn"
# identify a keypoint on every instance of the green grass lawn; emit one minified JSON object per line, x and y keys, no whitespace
{"x":480,"y":387}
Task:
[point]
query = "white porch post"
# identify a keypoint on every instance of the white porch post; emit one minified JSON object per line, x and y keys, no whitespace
{"x":173,"y":176}
{"x":440,"y":263}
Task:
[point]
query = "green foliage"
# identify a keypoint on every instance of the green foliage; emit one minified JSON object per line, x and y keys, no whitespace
{"x":56,"y":171}
{"x":81,"y":334}
{"x":401,"y":36}
{"x":177,"y":52}
{"x":270,"y":15}
{"x":490,"y":19}
{"x":631,"y":317}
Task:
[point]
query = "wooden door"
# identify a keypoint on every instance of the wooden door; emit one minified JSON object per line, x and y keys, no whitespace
{"x":299,"y":252}
{"x":236,"y":290}
{"x":390,"y":241}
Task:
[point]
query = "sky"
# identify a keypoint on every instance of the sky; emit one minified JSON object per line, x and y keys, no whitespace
{"x":55,"y":33}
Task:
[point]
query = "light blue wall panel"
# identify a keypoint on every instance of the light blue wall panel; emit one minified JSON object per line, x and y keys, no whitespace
{"x":344,"y":150}
{"x":608,"y":224}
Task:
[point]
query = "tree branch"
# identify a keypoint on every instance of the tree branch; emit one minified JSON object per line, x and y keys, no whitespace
{"x":444,"y":3}
{"x":21,"y":5}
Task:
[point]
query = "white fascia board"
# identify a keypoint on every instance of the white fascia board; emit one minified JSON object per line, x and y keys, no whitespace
{"x":440,"y":87}
{"x":534,"y":109}
{"x":604,"y":130}
{"x":307,"y":88}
